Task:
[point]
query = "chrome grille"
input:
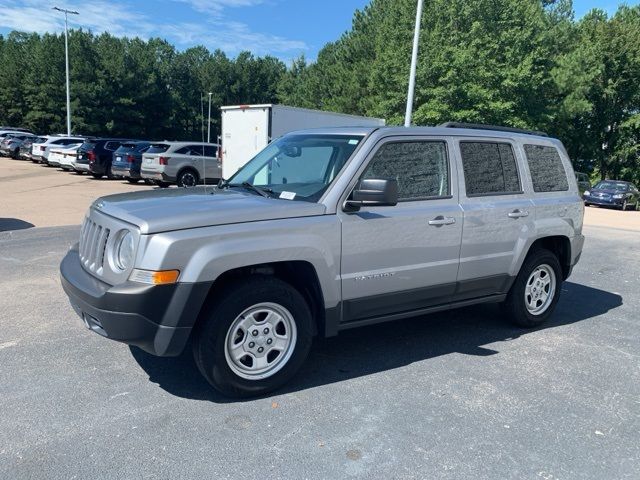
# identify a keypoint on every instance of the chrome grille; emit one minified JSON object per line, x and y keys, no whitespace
{"x":93,"y":244}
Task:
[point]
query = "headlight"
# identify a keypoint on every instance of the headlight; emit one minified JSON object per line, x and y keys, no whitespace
{"x":618,"y":196}
{"x":123,"y":254}
{"x":587,"y":192}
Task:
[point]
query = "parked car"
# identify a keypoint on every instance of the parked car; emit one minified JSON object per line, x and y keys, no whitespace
{"x":96,"y":154}
{"x":10,"y":144}
{"x":327,"y":230}
{"x":184,"y":163}
{"x":583,"y":182}
{"x":40,"y":151}
{"x":613,"y":193}
{"x":64,"y":156}
{"x":127,"y":160}
{"x":4,"y":131}
{"x":26,"y":147}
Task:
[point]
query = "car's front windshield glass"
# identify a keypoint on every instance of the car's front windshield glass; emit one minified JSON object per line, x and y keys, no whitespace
{"x":618,"y":186}
{"x":298,"y":167}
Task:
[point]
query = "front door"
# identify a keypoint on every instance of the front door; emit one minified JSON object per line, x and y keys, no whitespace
{"x":403,"y":258}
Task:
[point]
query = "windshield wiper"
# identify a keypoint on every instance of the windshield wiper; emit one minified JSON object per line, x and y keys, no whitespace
{"x":262,"y":191}
{"x":265,"y":192}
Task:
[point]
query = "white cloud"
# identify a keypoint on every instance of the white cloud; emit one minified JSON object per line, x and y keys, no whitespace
{"x":120,"y":19}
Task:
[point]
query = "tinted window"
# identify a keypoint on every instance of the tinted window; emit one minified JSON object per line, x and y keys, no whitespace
{"x":547,"y":171}
{"x":489,"y":168}
{"x":111,"y":145}
{"x":609,"y":185}
{"x":421,"y":168}
{"x":158,"y":148}
{"x":210,"y":151}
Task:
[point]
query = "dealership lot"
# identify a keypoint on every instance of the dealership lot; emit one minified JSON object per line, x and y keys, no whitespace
{"x":454,"y":395}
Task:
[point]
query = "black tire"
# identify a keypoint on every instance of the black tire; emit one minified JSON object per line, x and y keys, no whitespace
{"x":211,"y":335}
{"x":515,"y":307}
{"x":109,"y":174}
{"x":97,"y":176}
{"x":188,"y":178}
{"x":133,"y":181}
{"x":163,"y":184}
{"x":15,"y":154}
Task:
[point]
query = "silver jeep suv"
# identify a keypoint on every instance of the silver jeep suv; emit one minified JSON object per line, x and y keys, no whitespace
{"x":327,"y":230}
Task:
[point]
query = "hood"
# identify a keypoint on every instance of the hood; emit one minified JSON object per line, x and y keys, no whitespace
{"x":164,"y":210}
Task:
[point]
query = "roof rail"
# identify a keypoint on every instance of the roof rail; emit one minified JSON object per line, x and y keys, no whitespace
{"x":479,"y":126}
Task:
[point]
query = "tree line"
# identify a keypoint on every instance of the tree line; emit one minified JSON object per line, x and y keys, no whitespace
{"x":520,"y":63}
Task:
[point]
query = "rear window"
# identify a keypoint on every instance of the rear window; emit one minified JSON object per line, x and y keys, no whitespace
{"x":158,"y":148}
{"x":547,"y":171}
{"x":489,"y":168}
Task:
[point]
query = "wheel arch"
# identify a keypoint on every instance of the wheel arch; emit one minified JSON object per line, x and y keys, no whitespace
{"x":300,"y":274}
{"x":560,"y":245}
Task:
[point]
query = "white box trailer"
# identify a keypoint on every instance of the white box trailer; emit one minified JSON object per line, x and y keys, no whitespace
{"x":247,"y":129}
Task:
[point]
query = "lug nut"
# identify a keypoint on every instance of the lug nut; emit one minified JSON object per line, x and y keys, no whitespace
{"x":254,"y":333}
{"x":260,"y":350}
{"x":269,"y":341}
{"x":251,"y":344}
{"x":265,"y":331}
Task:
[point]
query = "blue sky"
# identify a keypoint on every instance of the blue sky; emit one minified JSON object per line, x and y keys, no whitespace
{"x":283,"y":28}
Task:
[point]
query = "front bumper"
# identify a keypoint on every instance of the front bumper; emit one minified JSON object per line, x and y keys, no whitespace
{"x":158,"y":319}
{"x":604,"y":202}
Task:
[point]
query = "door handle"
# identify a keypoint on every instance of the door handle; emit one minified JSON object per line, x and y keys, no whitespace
{"x":518,"y":214}
{"x":440,"y":220}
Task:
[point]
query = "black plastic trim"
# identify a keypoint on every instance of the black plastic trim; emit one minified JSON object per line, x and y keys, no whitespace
{"x":157,"y":318}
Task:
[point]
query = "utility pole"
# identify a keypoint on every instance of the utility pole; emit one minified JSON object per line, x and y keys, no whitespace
{"x":414,"y":62}
{"x":66,"y":58}
{"x":209,"y":121}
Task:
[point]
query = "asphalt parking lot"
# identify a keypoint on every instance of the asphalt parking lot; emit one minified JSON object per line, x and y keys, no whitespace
{"x":455,"y":395}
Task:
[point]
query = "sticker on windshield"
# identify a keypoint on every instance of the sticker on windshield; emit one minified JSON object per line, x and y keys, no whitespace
{"x":353,"y":141}
{"x":288,"y":195}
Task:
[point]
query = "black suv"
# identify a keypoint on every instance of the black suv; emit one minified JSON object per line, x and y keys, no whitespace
{"x":96,"y":154}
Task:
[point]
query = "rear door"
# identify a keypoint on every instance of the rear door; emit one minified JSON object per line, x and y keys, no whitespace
{"x":401,"y":259}
{"x":498,"y":214}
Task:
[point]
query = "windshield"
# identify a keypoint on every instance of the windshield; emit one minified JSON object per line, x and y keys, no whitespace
{"x":299,"y":167}
{"x":618,"y":186}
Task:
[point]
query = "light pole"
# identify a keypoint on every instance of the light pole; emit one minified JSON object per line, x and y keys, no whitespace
{"x":66,"y":58}
{"x":414,"y":62}
{"x":209,"y":121}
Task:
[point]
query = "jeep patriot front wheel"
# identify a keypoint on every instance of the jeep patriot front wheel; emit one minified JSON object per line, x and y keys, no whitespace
{"x":254,"y":338}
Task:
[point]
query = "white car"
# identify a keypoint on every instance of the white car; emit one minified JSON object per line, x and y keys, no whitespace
{"x":40,"y":151}
{"x":63,"y":156}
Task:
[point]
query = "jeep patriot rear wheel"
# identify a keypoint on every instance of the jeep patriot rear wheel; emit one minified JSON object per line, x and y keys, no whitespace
{"x":536,"y":290}
{"x":254,"y":338}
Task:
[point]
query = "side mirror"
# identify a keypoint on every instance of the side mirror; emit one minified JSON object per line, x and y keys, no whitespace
{"x":374,"y":192}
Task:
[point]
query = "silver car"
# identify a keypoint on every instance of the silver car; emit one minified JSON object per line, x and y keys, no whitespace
{"x":186,"y":164}
{"x":328,"y":230}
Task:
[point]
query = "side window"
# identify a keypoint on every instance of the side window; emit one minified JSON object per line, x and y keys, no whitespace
{"x":420,"y":167}
{"x":111,"y":146}
{"x":547,"y":171}
{"x":489,"y":168}
{"x":196,"y":150}
{"x":183,"y":150}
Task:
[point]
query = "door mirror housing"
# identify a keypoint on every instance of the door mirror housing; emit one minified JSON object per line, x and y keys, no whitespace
{"x":373,"y":192}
